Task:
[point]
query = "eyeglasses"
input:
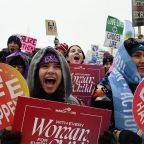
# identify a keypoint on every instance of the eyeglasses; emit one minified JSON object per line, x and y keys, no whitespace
{"x":18,"y":66}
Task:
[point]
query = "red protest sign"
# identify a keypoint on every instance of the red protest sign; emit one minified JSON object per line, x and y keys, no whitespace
{"x":138,"y":106}
{"x":42,"y":121}
{"x":84,"y":78}
{"x":12,"y":85}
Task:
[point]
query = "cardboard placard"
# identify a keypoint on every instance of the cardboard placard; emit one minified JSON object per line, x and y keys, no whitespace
{"x":49,"y":122}
{"x":28,"y":43}
{"x":12,"y":85}
{"x":84,"y":78}
{"x":51,"y":28}
{"x":114,"y":32}
{"x":138,"y":12}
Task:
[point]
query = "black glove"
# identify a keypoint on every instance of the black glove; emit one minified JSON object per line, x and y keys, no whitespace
{"x":107,"y":138}
{"x":129,"y":137}
{"x":8,"y":137}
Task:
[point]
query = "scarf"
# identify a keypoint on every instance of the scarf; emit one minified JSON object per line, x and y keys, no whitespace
{"x":124,"y":73}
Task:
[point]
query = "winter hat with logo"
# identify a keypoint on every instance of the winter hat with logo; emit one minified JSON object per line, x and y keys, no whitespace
{"x":132,"y":45}
{"x":62,"y":46}
{"x":49,"y":58}
{"x":16,"y":39}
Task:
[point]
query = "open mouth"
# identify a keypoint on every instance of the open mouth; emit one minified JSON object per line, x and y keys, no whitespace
{"x":50,"y":81}
{"x":12,"y":49}
{"x":76,"y":58}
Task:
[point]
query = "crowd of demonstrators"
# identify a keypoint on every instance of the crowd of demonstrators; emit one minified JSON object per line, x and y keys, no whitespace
{"x":20,"y":61}
{"x":121,"y":84}
{"x":14,"y":56}
{"x":48,"y":78}
{"x":75,"y":55}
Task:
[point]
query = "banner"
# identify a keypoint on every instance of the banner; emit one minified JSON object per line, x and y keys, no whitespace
{"x":84,"y":78}
{"x":129,"y":31}
{"x":47,"y":122}
{"x":114,"y":32}
{"x":12,"y":85}
{"x":138,"y":12}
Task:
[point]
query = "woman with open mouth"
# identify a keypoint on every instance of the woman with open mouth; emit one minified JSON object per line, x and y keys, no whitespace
{"x":75,"y":55}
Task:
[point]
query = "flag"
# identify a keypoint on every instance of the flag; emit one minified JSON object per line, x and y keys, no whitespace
{"x":129,"y":31}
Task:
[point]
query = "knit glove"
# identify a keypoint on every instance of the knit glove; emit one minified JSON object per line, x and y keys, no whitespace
{"x":8,"y":137}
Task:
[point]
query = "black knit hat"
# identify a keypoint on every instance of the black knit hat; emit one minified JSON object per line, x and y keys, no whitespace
{"x":16,"y":39}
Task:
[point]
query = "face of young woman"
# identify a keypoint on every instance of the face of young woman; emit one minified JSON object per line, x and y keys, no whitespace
{"x":138,"y":58}
{"x":50,"y":76}
{"x":75,"y":55}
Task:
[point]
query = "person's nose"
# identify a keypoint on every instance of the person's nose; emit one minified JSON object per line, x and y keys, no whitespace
{"x":76,"y":52}
{"x":142,"y":59}
{"x":50,"y":70}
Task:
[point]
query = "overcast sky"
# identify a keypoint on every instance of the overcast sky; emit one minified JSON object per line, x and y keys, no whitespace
{"x":81,"y":22}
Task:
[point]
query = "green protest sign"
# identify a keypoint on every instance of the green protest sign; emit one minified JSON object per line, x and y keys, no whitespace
{"x":114,"y":31}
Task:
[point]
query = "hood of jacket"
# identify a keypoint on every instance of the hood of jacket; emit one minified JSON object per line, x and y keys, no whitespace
{"x":64,"y":67}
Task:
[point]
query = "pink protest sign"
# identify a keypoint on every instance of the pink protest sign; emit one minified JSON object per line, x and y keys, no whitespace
{"x":12,"y":85}
{"x":84,"y":78}
{"x":47,"y":122}
{"x":138,"y":106}
{"x":28,"y":43}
